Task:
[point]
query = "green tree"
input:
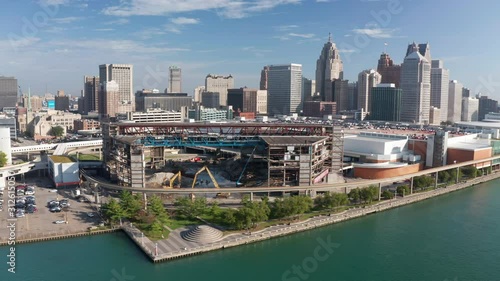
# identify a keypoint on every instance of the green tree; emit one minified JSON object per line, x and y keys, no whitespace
{"x":291,"y":206}
{"x":130,"y":203}
{"x":422,"y":182}
{"x":156,"y":227}
{"x":57,"y":131}
{"x":191,"y":208}
{"x":3,"y":159}
{"x":113,"y":211}
{"x":403,"y":190}
{"x":331,"y":200}
{"x":387,"y":194}
{"x":355,"y":195}
{"x":157,"y":209}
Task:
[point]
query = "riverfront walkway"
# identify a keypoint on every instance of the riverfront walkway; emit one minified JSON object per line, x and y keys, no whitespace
{"x":176,"y":247}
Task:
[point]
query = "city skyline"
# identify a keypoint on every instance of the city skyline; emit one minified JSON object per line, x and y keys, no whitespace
{"x":153,"y":39}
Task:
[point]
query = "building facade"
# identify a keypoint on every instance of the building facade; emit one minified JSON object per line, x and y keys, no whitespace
{"x":454,"y":101}
{"x":386,"y":103}
{"x":8,"y":92}
{"x":470,"y":109}
{"x":434,"y":115}
{"x":122,"y":74}
{"x":329,"y":67}
{"x":308,"y":89}
{"x":109,"y":99}
{"x":263,"y":78}
{"x":284,"y":94}
{"x":319,"y":109}
{"x":340,"y":94}
{"x":391,"y":73}
{"x":486,"y":106}
{"x":243,"y":100}
{"x":90,"y":95}
{"x":210,"y":99}
{"x":440,"y":88}
{"x":262,"y":101}
{"x":167,"y":102}
{"x":62,"y":103}
{"x":197,"y":93}
{"x":219,"y":84}
{"x":174,"y":80}
{"x":155,"y":116}
{"x":416,"y":86}
{"x":367,"y":80}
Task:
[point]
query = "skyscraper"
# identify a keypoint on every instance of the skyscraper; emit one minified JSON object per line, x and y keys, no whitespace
{"x":391,"y":73}
{"x":243,"y":99}
{"x":8,"y":92}
{"x":174,"y":80}
{"x":439,"y":88}
{"x":340,"y":94}
{"x":90,"y":94}
{"x":122,"y":74}
{"x":328,"y":68}
{"x":219,"y":84}
{"x":308,"y":89}
{"x":470,"y":109}
{"x":423,"y":49}
{"x":367,"y":79}
{"x":109,"y":97}
{"x":486,"y":106}
{"x":454,"y":101}
{"x":263,"y":78}
{"x":284,"y":89}
{"x":416,"y":86}
{"x":353,"y":96}
{"x":386,"y":103}
{"x":197,"y":93}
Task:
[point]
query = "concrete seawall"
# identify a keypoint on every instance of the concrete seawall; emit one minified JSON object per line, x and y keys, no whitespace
{"x":57,"y":236}
{"x":281,"y":230}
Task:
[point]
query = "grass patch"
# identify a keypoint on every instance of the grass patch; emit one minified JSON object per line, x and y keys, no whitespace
{"x":181,"y":222}
{"x":86,"y":157}
{"x":154,"y":236}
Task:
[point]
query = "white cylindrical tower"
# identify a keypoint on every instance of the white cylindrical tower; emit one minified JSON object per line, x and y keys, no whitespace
{"x":5,"y":146}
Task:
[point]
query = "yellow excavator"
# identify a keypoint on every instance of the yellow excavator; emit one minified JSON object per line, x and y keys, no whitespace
{"x":205,"y":168}
{"x":177,"y":176}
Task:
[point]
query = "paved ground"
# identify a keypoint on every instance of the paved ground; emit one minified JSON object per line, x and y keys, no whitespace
{"x":41,"y":223}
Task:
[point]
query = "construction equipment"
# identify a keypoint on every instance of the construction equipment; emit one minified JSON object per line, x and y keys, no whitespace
{"x":177,"y":176}
{"x":205,"y":168}
{"x":238,"y":182}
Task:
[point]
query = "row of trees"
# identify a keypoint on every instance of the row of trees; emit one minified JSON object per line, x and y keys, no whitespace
{"x":364,"y":195}
{"x":130,"y":207}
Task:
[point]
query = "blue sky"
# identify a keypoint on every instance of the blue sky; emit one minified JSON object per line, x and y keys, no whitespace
{"x":54,"y":43}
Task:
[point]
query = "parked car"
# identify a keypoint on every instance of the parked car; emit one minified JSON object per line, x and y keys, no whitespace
{"x":31,"y":209}
{"x":29,"y":192}
{"x":20,"y":214}
{"x":90,"y":214}
{"x":55,"y":209}
{"x":59,"y":222}
{"x":64,"y":203}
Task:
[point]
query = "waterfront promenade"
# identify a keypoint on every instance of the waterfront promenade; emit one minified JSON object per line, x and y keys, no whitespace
{"x":176,"y":247}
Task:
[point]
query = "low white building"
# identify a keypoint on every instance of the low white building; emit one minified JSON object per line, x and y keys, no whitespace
{"x":63,"y":170}
{"x":155,"y":116}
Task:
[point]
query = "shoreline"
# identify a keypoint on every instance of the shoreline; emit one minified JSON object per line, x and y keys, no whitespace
{"x":148,"y":246}
{"x":232,"y":240}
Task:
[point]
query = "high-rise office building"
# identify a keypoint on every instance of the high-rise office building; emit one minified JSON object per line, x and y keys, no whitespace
{"x":466,"y":92}
{"x":454,"y":101}
{"x":391,"y":73}
{"x":386,"y":103}
{"x":416,"y":86}
{"x":174,"y":80}
{"x":243,"y":99}
{"x":90,"y":94}
{"x":219,"y":84}
{"x":470,"y":109}
{"x":122,"y":74}
{"x":423,"y":49}
{"x":210,"y":99}
{"x":486,"y":106}
{"x":328,"y":68}
{"x":61,"y":101}
{"x":434,"y":116}
{"x":197,"y":93}
{"x":308,"y":89}
{"x":353,"y":95}
{"x":284,"y":92}
{"x":340,"y":94}
{"x":263,"y":78}
{"x":8,"y":92}
{"x":262,"y":101}
{"x":367,"y":80}
{"x":439,"y":88}
{"x":109,"y":93}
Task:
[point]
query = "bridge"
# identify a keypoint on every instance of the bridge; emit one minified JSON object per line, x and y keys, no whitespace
{"x":59,"y":148}
{"x":319,"y":187}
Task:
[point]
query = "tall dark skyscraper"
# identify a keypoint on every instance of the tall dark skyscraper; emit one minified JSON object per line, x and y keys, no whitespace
{"x":8,"y":92}
{"x":328,"y":68}
{"x":486,"y":106}
{"x":263,"y":78}
{"x":90,"y":94}
{"x":391,"y":73}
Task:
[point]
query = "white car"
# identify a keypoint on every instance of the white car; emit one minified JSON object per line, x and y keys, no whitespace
{"x":29,"y":192}
{"x":90,"y":215}
{"x":59,"y":222}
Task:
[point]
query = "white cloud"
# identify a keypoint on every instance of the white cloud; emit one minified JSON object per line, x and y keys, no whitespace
{"x":66,"y":20}
{"x":52,"y":2}
{"x":18,"y":42}
{"x":224,"y":8}
{"x":117,"y":22}
{"x":285,"y":27}
{"x":302,"y":35}
{"x":123,"y":46}
{"x":345,"y":51}
{"x":376,"y":32}
{"x":322,"y":1}
{"x":183,"y":20}
{"x":104,"y":29}
{"x":172,"y":28}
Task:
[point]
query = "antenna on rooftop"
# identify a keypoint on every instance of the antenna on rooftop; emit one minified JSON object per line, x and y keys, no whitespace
{"x":329,"y":37}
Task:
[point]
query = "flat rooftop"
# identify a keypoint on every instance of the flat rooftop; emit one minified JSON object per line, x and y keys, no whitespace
{"x":61,"y":159}
{"x":372,"y":139}
{"x":292,"y":140}
{"x":469,"y":146}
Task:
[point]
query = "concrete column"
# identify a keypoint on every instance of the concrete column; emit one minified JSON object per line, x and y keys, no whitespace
{"x":379,"y":191}
{"x":251,"y":196}
{"x":145,"y":197}
{"x":436,"y":178}
{"x":411,"y":185}
{"x":458,"y":172}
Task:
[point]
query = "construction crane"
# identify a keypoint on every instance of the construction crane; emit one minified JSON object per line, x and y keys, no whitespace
{"x":238,"y":182}
{"x":177,"y":176}
{"x":205,"y":168}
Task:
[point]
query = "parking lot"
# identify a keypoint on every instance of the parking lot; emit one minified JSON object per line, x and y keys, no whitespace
{"x":72,"y":219}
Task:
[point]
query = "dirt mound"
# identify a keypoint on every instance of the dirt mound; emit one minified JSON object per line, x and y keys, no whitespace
{"x":158,"y":179}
